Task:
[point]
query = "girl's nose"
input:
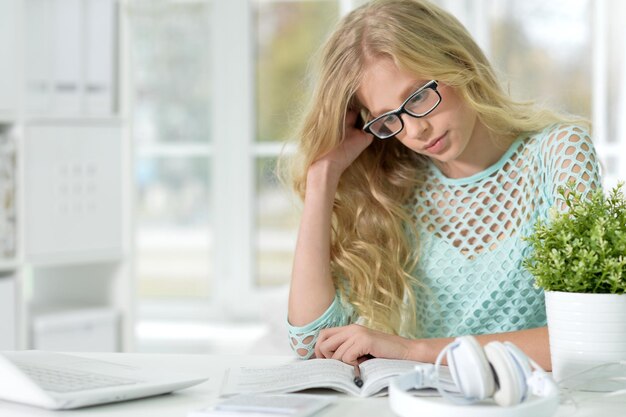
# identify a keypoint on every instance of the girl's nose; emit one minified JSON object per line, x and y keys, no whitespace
{"x":415,"y":128}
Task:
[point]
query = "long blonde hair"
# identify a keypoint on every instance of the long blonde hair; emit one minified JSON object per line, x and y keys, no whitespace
{"x":374,"y":247}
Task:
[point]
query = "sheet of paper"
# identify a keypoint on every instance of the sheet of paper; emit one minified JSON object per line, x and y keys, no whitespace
{"x":377,"y":373}
{"x":314,"y":373}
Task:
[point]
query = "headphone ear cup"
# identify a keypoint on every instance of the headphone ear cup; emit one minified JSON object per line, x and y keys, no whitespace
{"x":520,"y":357}
{"x":470,"y":369}
{"x":511,"y":384}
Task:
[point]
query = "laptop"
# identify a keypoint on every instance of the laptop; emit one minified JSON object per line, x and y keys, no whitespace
{"x":60,"y":381}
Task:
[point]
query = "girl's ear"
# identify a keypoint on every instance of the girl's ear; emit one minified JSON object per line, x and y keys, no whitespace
{"x":360,"y":122}
{"x":361,"y":117}
{"x":361,"y":112}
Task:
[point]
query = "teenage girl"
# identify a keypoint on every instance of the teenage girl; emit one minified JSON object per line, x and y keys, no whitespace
{"x":420,"y":179}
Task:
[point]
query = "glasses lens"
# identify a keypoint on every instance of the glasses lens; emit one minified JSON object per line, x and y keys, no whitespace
{"x":422,"y":102}
{"x":386,"y":126}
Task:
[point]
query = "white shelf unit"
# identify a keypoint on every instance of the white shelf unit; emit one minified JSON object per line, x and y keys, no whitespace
{"x":8,"y":69}
{"x":68,"y":278}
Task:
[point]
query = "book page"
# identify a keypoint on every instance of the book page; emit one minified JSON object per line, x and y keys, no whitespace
{"x":378,"y":372}
{"x":312,"y":373}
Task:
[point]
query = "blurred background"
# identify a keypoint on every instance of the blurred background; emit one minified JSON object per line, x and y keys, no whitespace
{"x":139,"y":139}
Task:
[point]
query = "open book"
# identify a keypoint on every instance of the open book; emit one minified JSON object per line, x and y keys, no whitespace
{"x":317,"y":373}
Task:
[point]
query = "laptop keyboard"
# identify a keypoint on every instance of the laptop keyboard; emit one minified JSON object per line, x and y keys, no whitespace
{"x":63,"y":380}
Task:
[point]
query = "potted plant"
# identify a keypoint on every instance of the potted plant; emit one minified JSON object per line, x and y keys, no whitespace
{"x":579,"y":259}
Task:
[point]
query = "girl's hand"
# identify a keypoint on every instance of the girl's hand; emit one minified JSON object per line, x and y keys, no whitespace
{"x":354,"y":142}
{"x":349,"y":343}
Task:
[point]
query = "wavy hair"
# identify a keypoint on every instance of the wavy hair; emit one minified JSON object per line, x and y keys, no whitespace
{"x":374,"y":244}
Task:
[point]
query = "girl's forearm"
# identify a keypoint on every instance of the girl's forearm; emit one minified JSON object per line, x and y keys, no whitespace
{"x":312,"y":290}
{"x":533,"y":342}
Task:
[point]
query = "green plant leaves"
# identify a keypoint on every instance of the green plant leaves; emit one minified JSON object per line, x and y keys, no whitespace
{"x":584,"y":248}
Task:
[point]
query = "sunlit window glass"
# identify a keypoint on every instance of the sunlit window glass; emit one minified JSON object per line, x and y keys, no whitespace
{"x":544,"y":49}
{"x":170,"y":72}
{"x":277,"y":221}
{"x":171,"y":119}
{"x":172,"y":237}
{"x":288,"y":35}
{"x":616,"y":71}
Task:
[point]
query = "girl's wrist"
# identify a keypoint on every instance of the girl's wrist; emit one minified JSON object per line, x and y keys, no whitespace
{"x":321,"y":174}
{"x":417,"y":350}
{"x":423,"y":351}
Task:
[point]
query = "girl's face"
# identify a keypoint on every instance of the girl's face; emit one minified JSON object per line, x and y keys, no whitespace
{"x":443,"y":135}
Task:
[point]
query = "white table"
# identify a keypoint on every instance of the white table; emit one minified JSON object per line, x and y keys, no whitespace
{"x":200,"y":396}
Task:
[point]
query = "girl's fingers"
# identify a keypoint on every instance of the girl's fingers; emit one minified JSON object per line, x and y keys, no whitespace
{"x":341,"y":350}
{"x":329,"y":346}
{"x":356,"y":143}
{"x":351,"y":146}
{"x":321,"y":340}
{"x":352,"y":354}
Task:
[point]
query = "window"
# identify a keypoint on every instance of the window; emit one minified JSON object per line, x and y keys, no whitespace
{"x":172,"y":239}
{"x":215,"y":89}
{"x":566,"y":54}
{"x":212,"y":85}
{"x":533,"y":41}
{"x":288,"y":33}
{"x":171,"y":131}
{"x":609,"y":18}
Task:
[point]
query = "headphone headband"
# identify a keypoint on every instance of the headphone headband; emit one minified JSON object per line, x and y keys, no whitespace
{"x":540,"y":398}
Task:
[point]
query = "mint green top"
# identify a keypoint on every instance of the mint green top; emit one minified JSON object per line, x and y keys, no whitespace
{"x":470,"y":232}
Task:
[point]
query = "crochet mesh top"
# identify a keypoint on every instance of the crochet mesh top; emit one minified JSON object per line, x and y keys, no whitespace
{"x":470,"y":232}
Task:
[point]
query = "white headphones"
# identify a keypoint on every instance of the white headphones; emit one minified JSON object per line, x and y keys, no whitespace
{"x":499,"y":370}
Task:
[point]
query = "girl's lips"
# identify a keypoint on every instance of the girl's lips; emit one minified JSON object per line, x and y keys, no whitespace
{"x":436,"y":145}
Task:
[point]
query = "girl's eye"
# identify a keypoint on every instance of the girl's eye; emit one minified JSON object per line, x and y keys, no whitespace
{"x":389,"y":120}
{"x":418,"y":98}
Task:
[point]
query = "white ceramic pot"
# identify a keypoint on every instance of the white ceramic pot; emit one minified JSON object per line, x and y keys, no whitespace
{"x":585,"y":330}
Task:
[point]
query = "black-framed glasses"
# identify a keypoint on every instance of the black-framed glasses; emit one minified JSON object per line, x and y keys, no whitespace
{"x":419,"y":104}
